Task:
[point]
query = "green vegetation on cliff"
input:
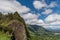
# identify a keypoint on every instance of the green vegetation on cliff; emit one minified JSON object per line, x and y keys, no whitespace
{"x":5,"y":21}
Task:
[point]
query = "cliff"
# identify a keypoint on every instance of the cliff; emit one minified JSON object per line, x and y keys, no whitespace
{"x":13,"y":24}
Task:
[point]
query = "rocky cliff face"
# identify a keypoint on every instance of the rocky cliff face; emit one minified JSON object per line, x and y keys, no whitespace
{"x":19,"y":31}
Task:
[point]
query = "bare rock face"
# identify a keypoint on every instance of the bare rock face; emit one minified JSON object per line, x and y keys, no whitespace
{"x":18,"y":30}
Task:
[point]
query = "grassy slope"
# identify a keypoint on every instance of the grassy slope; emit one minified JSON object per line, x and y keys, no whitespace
{"x":4,"y":36}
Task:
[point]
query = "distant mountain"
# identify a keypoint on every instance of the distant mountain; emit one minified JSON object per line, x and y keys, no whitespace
{"x":41,"y":29}
{"x":40,"y":33}
{"x":56,"y":30}
{"x":38,"y":29}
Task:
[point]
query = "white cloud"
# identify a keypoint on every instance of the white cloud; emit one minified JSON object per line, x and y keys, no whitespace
{"x":12,"y":6}
{"x":35,"y":22}
{"x":7,"y":0}
{"x":53,"y":4}
{"x":52,"y":18}
{"x":47,"y":11}
{"x":53,"y":21}
{"x":31,"y":18}
{"x":40,"y":22}
{"x":38,"y":4}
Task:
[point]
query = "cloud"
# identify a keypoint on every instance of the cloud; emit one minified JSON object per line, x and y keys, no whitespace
{"x":7,"y":0}
{"x":35,"y":22}
{"x":52,"y":25}
{"x":40,"y":4}
{"x":52,"y":4}
{"x":40,"y":22}
{"x":53,"y":17}
{"x":32,"y":19}
{"x":53,"y":21}
{"x":47,"y":11}
{"x":12,"y":6}
{"x":30,"y":16}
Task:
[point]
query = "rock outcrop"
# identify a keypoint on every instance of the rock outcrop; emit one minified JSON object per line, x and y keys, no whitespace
{"x":19,"y":31}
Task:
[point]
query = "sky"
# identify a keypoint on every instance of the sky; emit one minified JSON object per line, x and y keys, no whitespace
{"x":44,"y":13}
